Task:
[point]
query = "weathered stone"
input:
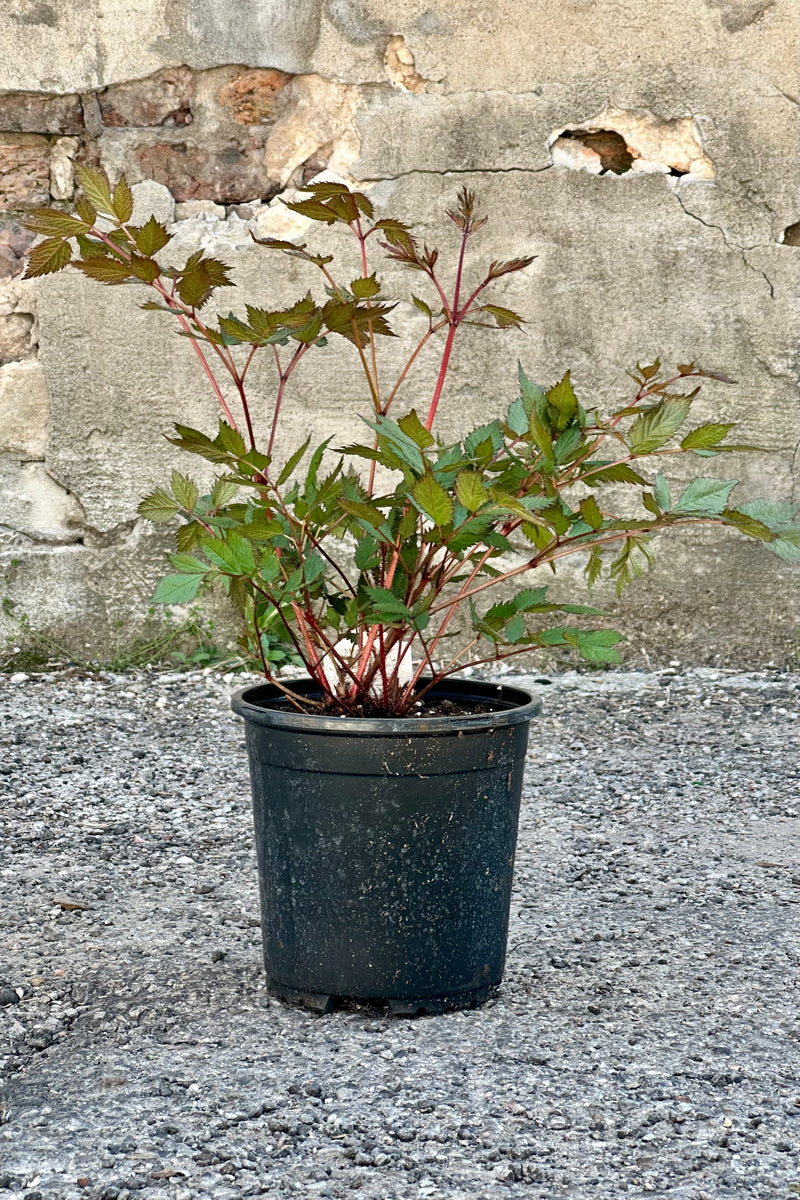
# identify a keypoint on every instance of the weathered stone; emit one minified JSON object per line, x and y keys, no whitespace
{"x":62,"y":171}
{"x":400,"y":65}
{"x":24,"y":410}
{"x":152,"y":199}
{"x":162,"y":99}
{"x":319,"y":114}
{"x":35,"y":505}
{"x":255,"y":97}
{"x":575,"y":155}
{"x":206,"y":210}
{"x":18,"y":328}
{"x":33,"y":112}
{"x":61,"y":46}
{"x":24,"y":170}
{"x":191,"y":172}
{"x":488,"y":131}
{"x":14,"y":241}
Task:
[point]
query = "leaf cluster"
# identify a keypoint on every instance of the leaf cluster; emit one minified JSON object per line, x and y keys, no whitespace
{"x":354,"y":576}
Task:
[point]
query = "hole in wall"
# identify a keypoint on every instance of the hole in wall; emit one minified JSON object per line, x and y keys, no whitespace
{"x":791,"y":235}
{"x":617,"y":142}
{"x":609,"y":146}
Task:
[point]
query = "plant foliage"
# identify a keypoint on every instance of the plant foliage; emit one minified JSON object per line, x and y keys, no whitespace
{"x":428,"y":549}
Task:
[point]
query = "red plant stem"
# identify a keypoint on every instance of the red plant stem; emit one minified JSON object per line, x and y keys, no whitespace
{"x":246,"y":410}
{"x":448,"y":346}
{"x":365,"y":275}
{"x":455,"y":318}
{"x":284,"y":375}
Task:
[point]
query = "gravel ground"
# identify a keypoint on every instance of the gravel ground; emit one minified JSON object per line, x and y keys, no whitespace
{"x":644,"y":1042}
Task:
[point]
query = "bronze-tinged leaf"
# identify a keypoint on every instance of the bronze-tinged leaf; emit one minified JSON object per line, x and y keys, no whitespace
{"x":151,"y":237}
{"x":96,"y":187}
{"x":123,"y":200}
{"x":365,"y":288}
{"x":327,"y":189}
{"x":85,"y":210}
{"x":315,"y":210}
{"x":194,"y":286}
{"x":506,"y":318}
{"x":496,"y":269}
{"x":53,"y":223}
{"x":651,"y":370}
{"x":145,"y":269}
{"x":105,"y":270}
{"x":49,"y":256}
{"x":279,"y":244}
{"x":217,"y":272}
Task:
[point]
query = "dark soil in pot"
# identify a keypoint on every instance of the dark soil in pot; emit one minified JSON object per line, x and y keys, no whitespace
{"x":386,"y":847}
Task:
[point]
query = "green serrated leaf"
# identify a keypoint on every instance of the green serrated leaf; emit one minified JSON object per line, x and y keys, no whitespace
{"x":53,"y":223}
{"x":177,"y":589}
{"x":562,"y":402}
{"x":506,"y":318}
{"x":433,"y":500}
{"x":590,"y":512}
{"x":105,"y":270}
{"x":515,"y":629}
{"x":413,"y":428}
{"x":151,"y":237}
{"x":366,"y":553}
{"x":222,"y":492}
{"x":362,"y":511}
{"x":187,"y":537}
{"x":613,"y":473}
{"x":781,"y":518}
{"x":159,"y":507}
{"x":517,"y":417}
{"x":365,"y":288}
{"x":423,"y":307}
{"x":145,"y":269}
{"x":705,"y":497}
{"x":652,"y":429}
{"x":187,"y":564}
{"x":388,"y":603}
{"x":593,"y":568}
{"x":661,"y":493}
{"x":470,"y":490}
{"x":706,"y":436}
{"x":184,"y":490}
{"x":597,"y":645}
{"x":85,"y":210}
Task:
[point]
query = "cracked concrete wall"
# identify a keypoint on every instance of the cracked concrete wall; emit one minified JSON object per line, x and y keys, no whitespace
{"x":648,"y":157}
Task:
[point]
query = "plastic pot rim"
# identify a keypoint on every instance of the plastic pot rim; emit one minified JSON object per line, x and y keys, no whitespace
{"x":517,"y":705}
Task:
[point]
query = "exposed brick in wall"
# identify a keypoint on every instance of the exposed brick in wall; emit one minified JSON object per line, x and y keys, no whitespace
{"x":255,"y":97}
{"x":201,"y":135}
{"x":31,"y":112}
{"x":163,"y":99}
{"x":24,"y":170}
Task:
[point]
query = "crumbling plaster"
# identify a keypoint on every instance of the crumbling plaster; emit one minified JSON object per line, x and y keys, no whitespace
{"x":410,"y":102}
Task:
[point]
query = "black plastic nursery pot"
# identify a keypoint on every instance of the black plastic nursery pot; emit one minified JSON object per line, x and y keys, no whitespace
{"x":386,"y":847}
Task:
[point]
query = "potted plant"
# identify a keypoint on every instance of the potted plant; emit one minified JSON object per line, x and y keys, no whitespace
{"x":386,"y":792}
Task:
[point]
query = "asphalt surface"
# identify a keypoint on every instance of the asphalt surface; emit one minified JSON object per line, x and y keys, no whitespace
{"x":644,"y":1041}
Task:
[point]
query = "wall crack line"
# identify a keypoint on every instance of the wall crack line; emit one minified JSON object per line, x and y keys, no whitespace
{"x":459,"y":171}
{"x":742,"y":250}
